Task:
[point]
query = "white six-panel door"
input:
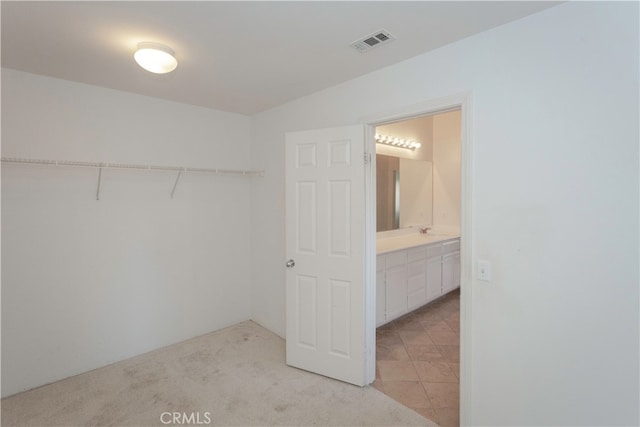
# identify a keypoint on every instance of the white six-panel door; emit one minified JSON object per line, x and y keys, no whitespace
{"x":325,"y":289}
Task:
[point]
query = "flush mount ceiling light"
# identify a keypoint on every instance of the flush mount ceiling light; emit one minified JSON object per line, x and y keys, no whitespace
{"x":397,"y":142}
{"x":155,"y":57}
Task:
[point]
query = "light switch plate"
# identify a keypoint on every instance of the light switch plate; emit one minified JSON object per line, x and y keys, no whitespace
{"x":484,"y":270}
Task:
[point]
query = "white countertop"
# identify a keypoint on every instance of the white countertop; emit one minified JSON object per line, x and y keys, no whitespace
{"x":390,"y":244}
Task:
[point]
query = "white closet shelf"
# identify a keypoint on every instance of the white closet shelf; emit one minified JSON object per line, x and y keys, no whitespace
{"x":103,"y":165}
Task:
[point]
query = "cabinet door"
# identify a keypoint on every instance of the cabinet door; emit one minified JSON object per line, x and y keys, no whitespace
{"x":451,"y":246}
{"x":396,"y":282}
{"x":450,"y":263}
{"x":381,"y":291}
{"x":416,"y":281}
{"x":381,"y":298}
{"x":434,"y":278}
{"x":456,"y":270}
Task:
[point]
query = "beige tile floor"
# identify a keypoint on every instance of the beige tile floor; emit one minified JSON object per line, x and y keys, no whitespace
{"x":418,"y":360}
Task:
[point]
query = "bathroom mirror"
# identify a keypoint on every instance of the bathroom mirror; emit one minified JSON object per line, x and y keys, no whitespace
{"x":404,"y":192}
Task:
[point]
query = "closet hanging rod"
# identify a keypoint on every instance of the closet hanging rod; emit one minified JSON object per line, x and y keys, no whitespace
{"x":105,"y":165}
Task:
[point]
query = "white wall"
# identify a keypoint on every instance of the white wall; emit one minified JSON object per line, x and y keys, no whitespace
{"x":86,"y":283}
{"x":446,"y":170}
{"x":555,"y":206}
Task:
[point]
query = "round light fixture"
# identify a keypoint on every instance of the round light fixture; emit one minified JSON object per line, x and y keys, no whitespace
{"x":155,"y":57}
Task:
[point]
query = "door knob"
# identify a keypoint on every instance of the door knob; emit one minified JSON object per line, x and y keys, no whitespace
{"x":291,"y":263}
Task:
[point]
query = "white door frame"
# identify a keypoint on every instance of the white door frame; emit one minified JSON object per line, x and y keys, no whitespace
{"x":462,"y":101}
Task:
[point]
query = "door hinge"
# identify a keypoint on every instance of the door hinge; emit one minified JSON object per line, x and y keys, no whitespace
{"x":367,"y":158}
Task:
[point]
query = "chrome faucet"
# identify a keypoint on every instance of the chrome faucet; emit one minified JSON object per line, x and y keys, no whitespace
{"x":424,"y":230}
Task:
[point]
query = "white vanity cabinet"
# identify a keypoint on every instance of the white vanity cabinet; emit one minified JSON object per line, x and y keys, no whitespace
{"x":416,"y":278}
{"x":410,"y":278}
{"x":381,"y":290}
{"x":450,"y":266}
{"x":434,"y":273}
{"x":396,"y":284}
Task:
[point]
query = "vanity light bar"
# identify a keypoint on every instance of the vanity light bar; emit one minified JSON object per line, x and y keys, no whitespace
{"x":397,"y":142}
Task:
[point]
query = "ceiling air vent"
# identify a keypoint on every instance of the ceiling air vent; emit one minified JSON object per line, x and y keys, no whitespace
{"x":372,"y":40}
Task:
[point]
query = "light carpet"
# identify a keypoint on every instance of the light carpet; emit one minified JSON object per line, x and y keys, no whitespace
{"x":232,"y":377}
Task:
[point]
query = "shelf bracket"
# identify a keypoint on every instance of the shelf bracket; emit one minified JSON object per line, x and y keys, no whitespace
{"x":175,"y":184}
{"x":99,"y":180}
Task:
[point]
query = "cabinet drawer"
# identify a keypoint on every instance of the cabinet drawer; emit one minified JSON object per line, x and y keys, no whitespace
{"x":434,"y":250}
{"x":380,"y":263}
{"x":450,"y":255}
{"x":416,"y":253}
{"x":451,"y":246}
{"x":396,"y":258}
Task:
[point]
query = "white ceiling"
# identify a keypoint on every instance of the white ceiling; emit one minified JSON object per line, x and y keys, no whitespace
{"x":236,"y":56}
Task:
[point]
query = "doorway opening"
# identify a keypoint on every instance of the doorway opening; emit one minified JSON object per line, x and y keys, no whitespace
{"x":418,"y":237}
{"x":331,"y":279}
